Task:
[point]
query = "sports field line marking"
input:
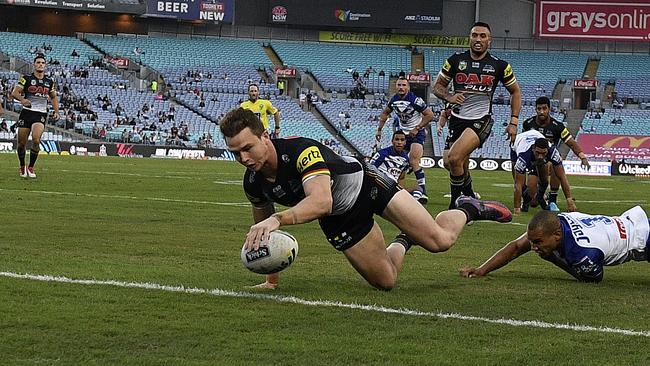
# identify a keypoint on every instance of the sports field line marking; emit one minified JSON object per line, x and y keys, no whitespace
{"x":326,"y":303}
{"x":509,"y":185}
{"x":128,"y":174}
{"x":158,"y":199}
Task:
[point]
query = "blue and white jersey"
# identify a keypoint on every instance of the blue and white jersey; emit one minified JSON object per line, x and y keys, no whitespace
{"x":409,"y":110}
{"x":590,"y":242}
{"x":391,"y":163}
{"x":523,"y":154}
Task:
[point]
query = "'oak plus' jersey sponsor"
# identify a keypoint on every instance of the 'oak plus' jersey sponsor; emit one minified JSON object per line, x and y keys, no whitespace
{"x":554,"y":132}
{"x":37,"y":91}
{"x":478,"y":79}
{"x":300,"y":159}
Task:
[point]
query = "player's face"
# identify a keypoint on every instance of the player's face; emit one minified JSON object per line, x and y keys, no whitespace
{"x":542,"y":243}
{"x":402,"y":87}
{"x":253,"y":93}
{"x":479,"y":40}
{"x":542,"y":112}
{"x":399,"y":141}
{"x":540,"y":155}
{"x":250,"y":150}
{"x":39,"y":65}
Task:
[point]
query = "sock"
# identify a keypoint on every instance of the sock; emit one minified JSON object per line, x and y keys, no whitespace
{"x":552,"y":195}
{"x":456,"y":184}
{"x":419,"y":175}
{"x":541,"y":189}
{"x":470,"y":211}
{"x":467,"y":185}
{"x":403,"y":240}
{"x":21,"y":155}
{"x":33,"y":155}
{"x":417,"y":194}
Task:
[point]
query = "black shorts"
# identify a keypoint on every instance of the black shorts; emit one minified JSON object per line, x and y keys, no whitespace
{"x":482,"y":127}
{"x":28,"y":117}
{"x":345,"y":230}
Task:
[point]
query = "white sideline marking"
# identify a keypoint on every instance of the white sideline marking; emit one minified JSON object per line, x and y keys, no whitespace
{"x":235,"y":204}
{"x":506,"y":185}
{"x":325,"y":303}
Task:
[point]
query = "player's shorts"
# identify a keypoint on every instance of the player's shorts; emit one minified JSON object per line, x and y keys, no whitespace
{"x":482,"y":127}
{"x":418,"y":139}
{"x":347,"y":229}
{"x":28,"y":117}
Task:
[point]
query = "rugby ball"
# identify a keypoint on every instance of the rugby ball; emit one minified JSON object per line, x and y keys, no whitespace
{"x":273,"y":255}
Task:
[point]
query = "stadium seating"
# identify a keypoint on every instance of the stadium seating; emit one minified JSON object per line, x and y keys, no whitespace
{"x":19,"y":44}
{"x":332,"y":64}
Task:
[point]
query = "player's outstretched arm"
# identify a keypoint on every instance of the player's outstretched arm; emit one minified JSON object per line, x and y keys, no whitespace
{"x":575,"y":147}
{"x":505,"y":255}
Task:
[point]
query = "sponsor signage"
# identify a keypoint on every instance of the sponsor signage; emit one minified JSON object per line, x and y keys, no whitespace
{"x":220,"y":11}
{"x":82,"y":5}
{"x":419,"y":78}
{"x":124,"y":150}
{"x":286,"y":72}
{"x":415,"y":14}
{"x":619,"y":20}
{"x":637,"y":170}
{"x":585,"y":84}
{"x":427,"y":162}
{"x":598,"y":168}
{"x":395,"y":39}
{"x":615,"y":147}
{"x":120,"y":62}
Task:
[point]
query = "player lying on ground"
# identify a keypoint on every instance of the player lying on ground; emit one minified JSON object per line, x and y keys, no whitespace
{"x":578,"y":243}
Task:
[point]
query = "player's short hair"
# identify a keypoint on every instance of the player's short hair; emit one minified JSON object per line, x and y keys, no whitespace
{"x":398,"y":132}
{"x":253,"y":84}
{"x":545,"y":220}
{"x":237,"y":120}
{"x":543,"y":100}
{"x":39,"y":55}
{"x":542,"y":143}
{"x":482,"y":24}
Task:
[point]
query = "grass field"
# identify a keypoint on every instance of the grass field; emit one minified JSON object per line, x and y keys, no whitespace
{"x":182,"y":223}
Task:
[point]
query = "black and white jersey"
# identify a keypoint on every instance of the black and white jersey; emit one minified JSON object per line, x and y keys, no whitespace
{"x":300,"y":159}
{"x":478,"y":79}
{"x":554,"y":132}
{"x":37,"y":91}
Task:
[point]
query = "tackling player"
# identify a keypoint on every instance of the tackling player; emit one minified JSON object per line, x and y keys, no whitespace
{"x":414,"y":116}
{"x":475,"y":74}
{"x":33,"y":92}
{"x":578,"y":243}
{"x":343,"y":194}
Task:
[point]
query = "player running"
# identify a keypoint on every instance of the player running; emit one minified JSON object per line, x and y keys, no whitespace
{"x":475,"y":74}
{"x":414,"y":116}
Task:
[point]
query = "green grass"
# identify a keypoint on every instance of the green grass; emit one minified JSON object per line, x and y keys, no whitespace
{"x":147,"y":220}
